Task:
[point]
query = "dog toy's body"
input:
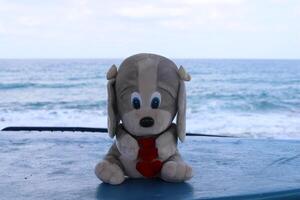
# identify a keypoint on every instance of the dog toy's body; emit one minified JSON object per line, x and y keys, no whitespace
{"x":145,"y":94}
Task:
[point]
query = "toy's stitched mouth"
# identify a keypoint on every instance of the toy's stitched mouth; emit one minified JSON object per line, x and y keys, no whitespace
{"x":147,"y":122}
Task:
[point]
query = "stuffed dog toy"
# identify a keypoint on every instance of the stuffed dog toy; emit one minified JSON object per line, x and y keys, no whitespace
{"x":144,"y":96}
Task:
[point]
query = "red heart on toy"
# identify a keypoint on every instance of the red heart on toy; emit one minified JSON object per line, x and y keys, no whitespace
{"x":149,"y":169}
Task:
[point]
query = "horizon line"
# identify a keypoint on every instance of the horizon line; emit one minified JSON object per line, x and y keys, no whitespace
{"x":120,"y":58}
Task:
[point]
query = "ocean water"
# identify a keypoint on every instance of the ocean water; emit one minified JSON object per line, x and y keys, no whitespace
{"x":246,"y":98}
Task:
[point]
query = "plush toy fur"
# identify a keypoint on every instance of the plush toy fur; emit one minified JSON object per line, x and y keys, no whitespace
{"x":145,"y":94}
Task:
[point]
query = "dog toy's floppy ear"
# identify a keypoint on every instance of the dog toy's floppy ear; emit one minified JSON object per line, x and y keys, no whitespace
{"x":181,"y":103}
{"x":113,"y":119}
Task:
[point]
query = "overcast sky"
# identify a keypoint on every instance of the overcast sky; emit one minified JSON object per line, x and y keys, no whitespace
{"x":174,"y":28}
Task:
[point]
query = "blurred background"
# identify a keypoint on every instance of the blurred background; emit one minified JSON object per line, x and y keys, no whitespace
{"x":243,"y":57}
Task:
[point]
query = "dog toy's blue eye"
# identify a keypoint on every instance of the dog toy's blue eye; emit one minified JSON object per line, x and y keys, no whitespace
{"x":136,"y":100}
{"x":155,"y":103}
{"x":155,"y":100}
{"x":136,"y":103}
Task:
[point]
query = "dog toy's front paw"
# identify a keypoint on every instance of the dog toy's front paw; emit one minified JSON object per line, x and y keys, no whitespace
{"x":128,"y":147}
{"x":109,"y":173}
{"x":176,"y":171}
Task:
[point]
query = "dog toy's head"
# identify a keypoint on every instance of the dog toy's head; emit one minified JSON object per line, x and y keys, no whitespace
{"x":146,"y":93}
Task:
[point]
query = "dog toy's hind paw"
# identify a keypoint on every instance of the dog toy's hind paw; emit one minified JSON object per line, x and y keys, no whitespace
{"x":176,"y":171}
{"x":109,"y":173}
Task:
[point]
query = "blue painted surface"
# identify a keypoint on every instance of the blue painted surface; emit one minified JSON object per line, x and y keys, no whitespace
{"x":60,"y":166}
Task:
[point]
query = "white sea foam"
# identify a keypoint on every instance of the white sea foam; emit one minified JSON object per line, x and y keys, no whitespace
{"x":53,"y":118}
{"x":273,"y":126}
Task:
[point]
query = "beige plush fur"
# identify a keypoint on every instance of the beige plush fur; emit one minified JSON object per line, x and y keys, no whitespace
{"x":144,"y":77}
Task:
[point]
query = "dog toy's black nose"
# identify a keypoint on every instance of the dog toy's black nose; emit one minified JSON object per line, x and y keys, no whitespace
{"x":147,"y":122}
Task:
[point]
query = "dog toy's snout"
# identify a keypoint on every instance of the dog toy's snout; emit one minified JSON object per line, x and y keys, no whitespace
{"x":147,"y":122}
